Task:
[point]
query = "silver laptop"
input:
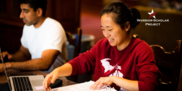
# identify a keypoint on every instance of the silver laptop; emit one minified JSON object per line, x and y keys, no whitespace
{"x":24,"y":83}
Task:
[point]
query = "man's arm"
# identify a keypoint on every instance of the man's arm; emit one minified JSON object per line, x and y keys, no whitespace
{"x":21,"y":55}
{"x":43,"y":63}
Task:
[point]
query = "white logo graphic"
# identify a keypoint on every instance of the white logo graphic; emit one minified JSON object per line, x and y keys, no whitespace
{"x":109,"y":67}
{"x":152,"y":14}
{"x":152,"y":22}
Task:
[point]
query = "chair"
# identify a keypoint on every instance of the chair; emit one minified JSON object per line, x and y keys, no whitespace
{"x":169,"y":63}
{"x":74,"y":45}
{"x":74,"y":39}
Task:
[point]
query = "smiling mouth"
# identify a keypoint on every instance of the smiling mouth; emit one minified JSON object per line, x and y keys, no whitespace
{"x":110,"y":40}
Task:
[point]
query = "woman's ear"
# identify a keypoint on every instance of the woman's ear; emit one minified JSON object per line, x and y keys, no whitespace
{"x":127,"y":26}
{"x":39,"y":12}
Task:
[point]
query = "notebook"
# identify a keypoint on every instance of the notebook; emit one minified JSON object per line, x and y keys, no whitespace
{"x":24,"y":83}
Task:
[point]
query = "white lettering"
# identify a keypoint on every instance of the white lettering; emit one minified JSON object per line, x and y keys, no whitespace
{"x":152,"y":24}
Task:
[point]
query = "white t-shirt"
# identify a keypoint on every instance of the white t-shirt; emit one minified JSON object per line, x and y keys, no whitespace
{"x":50,"y":35}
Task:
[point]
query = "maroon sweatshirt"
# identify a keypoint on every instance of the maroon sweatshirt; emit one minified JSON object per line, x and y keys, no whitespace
{"x":135,"y":62}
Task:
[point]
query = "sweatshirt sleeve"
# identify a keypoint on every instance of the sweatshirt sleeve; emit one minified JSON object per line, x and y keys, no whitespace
{"x":147,"y":70}
{"x":85,"y":62}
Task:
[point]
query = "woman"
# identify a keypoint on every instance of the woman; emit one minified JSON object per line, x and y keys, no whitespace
{"x":119,"y":60}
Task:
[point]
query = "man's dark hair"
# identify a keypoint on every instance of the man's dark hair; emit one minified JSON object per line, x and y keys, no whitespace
{"x":35,"y":4}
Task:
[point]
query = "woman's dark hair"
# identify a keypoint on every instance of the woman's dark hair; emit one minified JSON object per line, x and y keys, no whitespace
{"x":122,"y":14}
{"x":35,"y":4}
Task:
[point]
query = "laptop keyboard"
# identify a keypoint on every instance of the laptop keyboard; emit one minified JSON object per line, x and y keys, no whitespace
{"x":22,"y":84}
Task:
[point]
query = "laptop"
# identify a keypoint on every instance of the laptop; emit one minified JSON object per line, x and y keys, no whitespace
{"x":24,"y":83}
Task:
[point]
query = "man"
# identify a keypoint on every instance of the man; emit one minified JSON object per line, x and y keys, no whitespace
{"x":43,"y":42}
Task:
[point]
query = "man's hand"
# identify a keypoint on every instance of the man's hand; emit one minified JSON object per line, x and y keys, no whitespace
{"x":1,"y":68}
{"x":4,"y":54}
{"x":7,"y":65}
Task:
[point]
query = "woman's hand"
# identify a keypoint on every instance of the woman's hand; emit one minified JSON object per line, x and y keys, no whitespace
{"x":50,"y":78}
{"x":103,"y":81}
{"x":126,"y":84}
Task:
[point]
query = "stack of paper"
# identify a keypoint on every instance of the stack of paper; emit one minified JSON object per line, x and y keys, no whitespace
{"x":81,"y":87}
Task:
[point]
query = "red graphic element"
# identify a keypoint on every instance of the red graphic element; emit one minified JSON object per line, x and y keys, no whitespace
{"x":153,"y":14}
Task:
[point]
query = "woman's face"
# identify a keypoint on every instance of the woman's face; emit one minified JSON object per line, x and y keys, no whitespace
{"x":112,"y":31}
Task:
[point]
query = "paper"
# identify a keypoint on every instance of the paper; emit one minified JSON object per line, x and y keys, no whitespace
{"x":81,"y":87}
{"x":39,"y":87}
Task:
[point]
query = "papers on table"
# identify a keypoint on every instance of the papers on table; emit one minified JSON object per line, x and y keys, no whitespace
{"x":81,"y":87}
